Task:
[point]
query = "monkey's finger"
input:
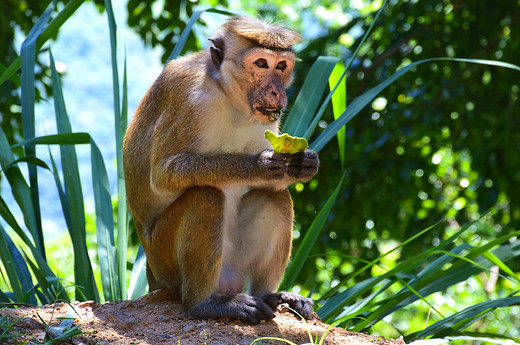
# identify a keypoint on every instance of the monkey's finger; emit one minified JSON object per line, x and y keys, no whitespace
{"x":306,"y":154}
{"x":257,"y":312}
{"x":304,"y":163}
{"x":264,"y":309}
{"x":282,"y":156}
{"x":272,"y":300}
{"x":301,"y":305}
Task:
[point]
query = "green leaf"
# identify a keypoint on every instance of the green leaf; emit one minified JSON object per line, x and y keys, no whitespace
{"x":122,"y":210}
{"x":122,"y":219}
{"x":28,"y":56}
{"x":495,"y":260}
{"x":31,"y":160}
{"x":9,"y":218}
{"x":19,"y":187}
{"x":138,"y":282}
{"x":177,"y":50}
{"x":309,"y":240}
{"x":338,"y":87}
{"x":58,"y":139}
{"x":304,"y":107}
{"x":104,"y":225}
{"x":72,"y":199}
{"x":9,"y":264}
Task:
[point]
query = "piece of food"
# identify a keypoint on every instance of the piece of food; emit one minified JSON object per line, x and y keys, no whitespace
{"x":285,"y":143}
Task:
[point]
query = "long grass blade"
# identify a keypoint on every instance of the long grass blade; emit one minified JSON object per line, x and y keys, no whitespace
{"x":9,"y":265}
{"x":28,"y":56}
{"x":339,"y":104}
{"x":309,"y":240}
{"x":21,"y":271}
{"x":9,"y":218}
{"x":122,"y":210}
{"x":122,"y":234}
{"x":104,"y":226}
{"x":58,"y":139}
{"x":73,"y":197}
{"x":138,"y":282}
{"x":19,"y":187}
{"x":299,"y":118}
{"x":179,"y":46}
{"x":51,"y":288}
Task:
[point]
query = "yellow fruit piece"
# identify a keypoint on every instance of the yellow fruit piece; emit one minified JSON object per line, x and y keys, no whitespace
{"x":285,"y":143}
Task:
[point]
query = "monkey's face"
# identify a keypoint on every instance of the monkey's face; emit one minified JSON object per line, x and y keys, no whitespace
{"x":269,"y":73}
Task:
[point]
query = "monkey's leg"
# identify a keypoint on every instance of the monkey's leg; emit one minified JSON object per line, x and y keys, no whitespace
{"x":195,"y":222}
{"x":265,"y":233}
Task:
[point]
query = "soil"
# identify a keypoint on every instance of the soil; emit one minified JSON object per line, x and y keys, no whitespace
{"x":155,"y":319}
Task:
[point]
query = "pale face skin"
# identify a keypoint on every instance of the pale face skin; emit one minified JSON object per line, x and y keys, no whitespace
{"x":269,"y":72}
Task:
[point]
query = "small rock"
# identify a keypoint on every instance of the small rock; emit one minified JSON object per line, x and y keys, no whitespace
{"x":27,"y":322}
{"x":189,"y":327}
{"x":163,"y":318}
{"x":205,"y":333}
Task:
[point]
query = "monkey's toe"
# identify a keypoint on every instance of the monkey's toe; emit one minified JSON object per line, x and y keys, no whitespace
{"x":297,"y":303}
{"x":251,"y":310}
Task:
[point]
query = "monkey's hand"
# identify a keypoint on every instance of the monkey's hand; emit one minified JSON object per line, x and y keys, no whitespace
{"x":299,"y":304}
{"x":272,"y":166}
{"x":303,"y":165}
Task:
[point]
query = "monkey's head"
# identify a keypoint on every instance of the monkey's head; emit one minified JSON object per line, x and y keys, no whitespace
{"x":253,"y":61}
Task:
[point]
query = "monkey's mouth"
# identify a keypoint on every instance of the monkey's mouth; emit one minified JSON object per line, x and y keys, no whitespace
{"x":272,"y":113}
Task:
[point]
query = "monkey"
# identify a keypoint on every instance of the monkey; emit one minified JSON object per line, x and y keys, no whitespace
{"x":208,"y":195}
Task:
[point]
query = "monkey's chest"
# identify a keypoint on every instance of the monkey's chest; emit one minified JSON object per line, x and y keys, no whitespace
{"x":222,"y":136}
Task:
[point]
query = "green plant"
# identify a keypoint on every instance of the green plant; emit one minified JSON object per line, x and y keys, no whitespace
{"x":6,"y":324}
{"x":64,"y":331}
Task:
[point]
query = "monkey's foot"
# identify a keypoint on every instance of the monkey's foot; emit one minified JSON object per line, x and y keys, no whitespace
{"x":299,"y":304}
{"x":243,"y":307}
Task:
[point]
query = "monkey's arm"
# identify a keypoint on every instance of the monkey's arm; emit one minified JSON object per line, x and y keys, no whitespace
{"x":182,"y":170}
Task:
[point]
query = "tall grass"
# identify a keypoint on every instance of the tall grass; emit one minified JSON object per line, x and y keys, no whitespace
{"x":353,"y":303}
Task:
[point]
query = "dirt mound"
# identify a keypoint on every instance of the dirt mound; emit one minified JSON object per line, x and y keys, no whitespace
{"x":154,"y":319}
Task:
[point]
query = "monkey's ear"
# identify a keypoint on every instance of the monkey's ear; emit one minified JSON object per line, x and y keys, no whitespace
{"x":217,"y":52}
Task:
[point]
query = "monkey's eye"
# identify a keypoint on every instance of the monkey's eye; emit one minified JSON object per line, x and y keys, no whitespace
{"x":262,"y":63}
{"x":282,"y":65}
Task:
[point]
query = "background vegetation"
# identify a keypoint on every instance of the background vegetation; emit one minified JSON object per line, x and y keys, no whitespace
{"x":410,"y":227}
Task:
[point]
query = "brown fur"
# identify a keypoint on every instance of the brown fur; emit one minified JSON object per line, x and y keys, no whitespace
{"x":208,"y":197}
